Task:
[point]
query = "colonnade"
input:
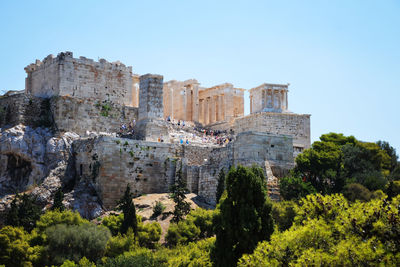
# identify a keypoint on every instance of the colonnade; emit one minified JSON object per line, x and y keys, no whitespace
{"x":212,"y":109}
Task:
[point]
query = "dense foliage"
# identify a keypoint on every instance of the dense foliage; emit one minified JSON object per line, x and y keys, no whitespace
{"x":243,"y":217}
{"x":23,"y":212}
{"x":198,"y":225}
{"x":338,"y":162}
{"x":72,"y":242}
{"x":329,"y":231}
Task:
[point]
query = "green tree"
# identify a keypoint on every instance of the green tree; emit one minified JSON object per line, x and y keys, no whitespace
{"x":178,"y":190}
{"x":23,"y":212}
{"x":15,"y":249}
{"x":293,"y":187}
{"x":54,"y":217}
{"x":128,"y":209}
{"x":243,"y":217}
{"x":72,"y":242}
{"x":283,"y":213}
{"x":220,"y":185}
{"x":391,"y":152}
{"x":355,"y":192}
{"x":328,"y":231}
{"x":58,"y":201}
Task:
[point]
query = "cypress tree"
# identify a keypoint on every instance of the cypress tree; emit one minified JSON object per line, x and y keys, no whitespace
{"x":24,"y":212}
{"x":128,"y":209}
{"x":244,"y":218}
{"x":221,"y":185}
{"x":58,"y":201}
{"x":178,"y":189}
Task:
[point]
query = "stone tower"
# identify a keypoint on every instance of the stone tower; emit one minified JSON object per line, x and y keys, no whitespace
{"x":151,"y":125}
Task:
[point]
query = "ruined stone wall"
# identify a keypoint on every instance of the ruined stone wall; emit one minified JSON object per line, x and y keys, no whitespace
{"x":111,"y":163}
{"x":80,"y":77}
{"x":256,"y":148}
{"x":219,"y":158}
{"x":24,"y":109}
{"x":295,"y":125}
{"x":193,"y":158}
{"x":65,"y":114}
{"x":82,"y":115}
{"x":267,"y":151}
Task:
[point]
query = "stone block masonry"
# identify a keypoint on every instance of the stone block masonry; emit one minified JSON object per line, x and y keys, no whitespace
{"x":25,"y":109}
{"x":295,"y":125}
{"x":151,"y":97}
{"x":80,"y":77}
{"x":83,"y":115}
{"x":151,"y":112}
{"x":65,"y":114}
{"x":109,"y":163}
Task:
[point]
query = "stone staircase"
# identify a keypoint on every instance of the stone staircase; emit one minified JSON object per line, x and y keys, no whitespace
{"x":272,"y":183}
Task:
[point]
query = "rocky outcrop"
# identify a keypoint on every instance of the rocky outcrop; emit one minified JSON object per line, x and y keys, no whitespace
{"x":37,"y":162}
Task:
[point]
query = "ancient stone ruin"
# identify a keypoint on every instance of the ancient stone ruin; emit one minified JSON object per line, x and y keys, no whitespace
{"x":99,"y":124}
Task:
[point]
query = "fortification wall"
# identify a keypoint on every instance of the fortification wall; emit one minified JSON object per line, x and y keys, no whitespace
{"x":24,"y":109}
{"x":80,"y":77}
{"x":82,"y":115}
{"x":295,"y":125}
{"x":111,"y":163}
{"x":219,"y":159}
{"x":65,"y":114}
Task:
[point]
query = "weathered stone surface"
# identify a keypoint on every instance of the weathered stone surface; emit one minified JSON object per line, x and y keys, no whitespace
{"x":80,"y":77}
{"x":34,"y":158}
{"x":295,"y":125}
{"x":109,"y":164}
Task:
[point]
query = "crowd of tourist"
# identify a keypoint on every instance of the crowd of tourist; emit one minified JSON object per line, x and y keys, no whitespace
{"x":184,"y":133}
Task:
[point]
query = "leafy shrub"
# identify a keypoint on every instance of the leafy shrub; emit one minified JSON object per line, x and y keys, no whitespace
{"x":140,"y":257}
{"x":293,"y":187}
{"x":149,"y":234}
{"x":320,"y":207}
{"x":51,"y":218}
{"x":119,"y":244}
{"x":355,"y":192}
{"x":203,"y":219}
{"x":15,"y":249}
{"x":182,"y":232}
{"x":113,"y":222}
{"x":84,"y":262}
{"x":335,"y":234}
{"x":393,"y":189}
{"x":283,"y":214}
{"x":197,"y":225}
{"x":72,"y":242}
{"x":192,"y":254}
{"x":158,"y":209}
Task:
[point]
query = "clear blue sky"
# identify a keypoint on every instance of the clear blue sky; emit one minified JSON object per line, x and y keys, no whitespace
{"x":342,"y":58}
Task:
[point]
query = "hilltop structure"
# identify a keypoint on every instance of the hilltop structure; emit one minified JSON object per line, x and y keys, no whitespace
{"x":140,"y":130}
